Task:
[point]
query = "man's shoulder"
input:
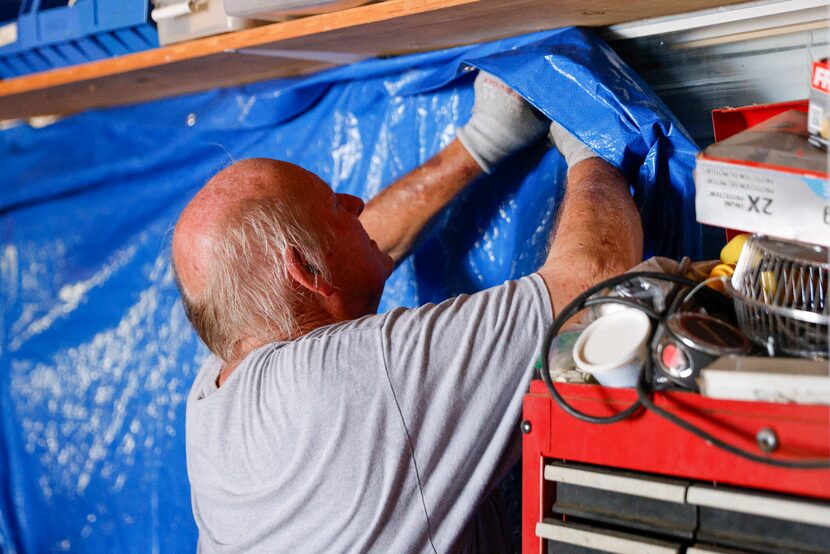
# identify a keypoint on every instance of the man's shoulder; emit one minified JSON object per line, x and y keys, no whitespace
{"x":341,"y":343}
{"x":529,"y":286}
{"x":365,"y":325}
{"x":374,"y":329}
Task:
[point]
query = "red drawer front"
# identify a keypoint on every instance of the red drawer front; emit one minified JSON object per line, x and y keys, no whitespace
{"x":649,"y":443}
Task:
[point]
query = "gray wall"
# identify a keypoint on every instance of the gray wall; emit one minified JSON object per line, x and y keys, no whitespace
{"x":694,"y":80}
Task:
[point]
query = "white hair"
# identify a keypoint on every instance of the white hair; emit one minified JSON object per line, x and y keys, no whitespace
{"x":249,"y":293}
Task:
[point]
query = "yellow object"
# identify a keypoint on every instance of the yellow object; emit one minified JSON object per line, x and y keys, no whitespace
{"x":769,"y":284}
{"x":720,"y":270}
{"x":732,"y":251}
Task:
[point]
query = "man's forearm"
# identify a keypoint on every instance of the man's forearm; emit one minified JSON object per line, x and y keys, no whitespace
{"x":396,"y":216}
{"x":598,"y":234}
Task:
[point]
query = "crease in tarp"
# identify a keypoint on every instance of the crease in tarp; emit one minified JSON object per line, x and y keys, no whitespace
{"x":96,"y":356}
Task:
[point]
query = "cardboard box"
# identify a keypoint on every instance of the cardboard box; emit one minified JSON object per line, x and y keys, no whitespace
{"x":766,"y":179}
{"x":818,"y":120}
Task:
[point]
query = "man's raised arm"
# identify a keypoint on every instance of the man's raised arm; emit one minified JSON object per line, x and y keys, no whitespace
{"x":501,"y":124}
{"x":395,"y":217}
{"x":598,"y":233}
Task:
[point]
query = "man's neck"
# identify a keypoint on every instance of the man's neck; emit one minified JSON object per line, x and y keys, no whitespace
{"x":306,"y":323}
{"x":309,"y":321}
{"x":225,"y":372}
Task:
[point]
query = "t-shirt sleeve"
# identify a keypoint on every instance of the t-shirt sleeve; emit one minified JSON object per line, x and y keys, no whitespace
{"x":458,"y":371}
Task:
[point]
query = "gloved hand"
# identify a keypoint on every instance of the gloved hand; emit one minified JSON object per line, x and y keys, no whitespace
{"x":502,"y":122}
{"x":571,"y":148}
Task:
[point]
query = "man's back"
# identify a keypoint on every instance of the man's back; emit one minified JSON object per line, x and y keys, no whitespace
{"x":380,"y":434}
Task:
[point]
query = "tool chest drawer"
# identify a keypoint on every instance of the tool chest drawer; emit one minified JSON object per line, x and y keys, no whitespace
{"x":622,"y":499}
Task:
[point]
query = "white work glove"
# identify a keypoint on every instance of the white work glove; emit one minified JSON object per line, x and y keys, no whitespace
{"x":571,"y":148}
{"x":502,"y":122}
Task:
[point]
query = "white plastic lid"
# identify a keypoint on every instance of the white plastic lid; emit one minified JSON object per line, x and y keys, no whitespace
{"x":612,"y":340}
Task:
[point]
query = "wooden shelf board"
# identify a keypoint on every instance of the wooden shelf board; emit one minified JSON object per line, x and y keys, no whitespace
{"x":307,"y":45}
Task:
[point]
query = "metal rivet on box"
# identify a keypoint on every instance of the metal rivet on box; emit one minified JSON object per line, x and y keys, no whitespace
{"x":526,"y":427}
{"x":767,"y":440}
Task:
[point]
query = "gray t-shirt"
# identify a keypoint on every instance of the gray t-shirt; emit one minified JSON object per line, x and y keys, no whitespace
{"x":381,"y":434}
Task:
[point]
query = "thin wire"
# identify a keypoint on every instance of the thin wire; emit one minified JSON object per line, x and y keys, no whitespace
{"x":702,"y":284}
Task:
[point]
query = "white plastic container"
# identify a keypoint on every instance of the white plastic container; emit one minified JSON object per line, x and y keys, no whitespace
{"x":613,"y":348}
{"x":279,"y":10}
{"x":180,"y":20}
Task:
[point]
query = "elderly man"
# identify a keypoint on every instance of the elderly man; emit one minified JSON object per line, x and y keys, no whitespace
{"x":320,"y":426}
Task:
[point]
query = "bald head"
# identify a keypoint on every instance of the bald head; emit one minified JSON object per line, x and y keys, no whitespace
{"x":207,"y":216}
{"x":231,"y":247}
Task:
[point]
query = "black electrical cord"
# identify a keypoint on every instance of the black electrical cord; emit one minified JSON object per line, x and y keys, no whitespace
{"x":583,"y":301}
{"x":644,"y":398}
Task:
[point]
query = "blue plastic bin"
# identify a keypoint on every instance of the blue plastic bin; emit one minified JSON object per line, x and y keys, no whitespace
{"x":53,"y":33}
{"x":9,"y":11}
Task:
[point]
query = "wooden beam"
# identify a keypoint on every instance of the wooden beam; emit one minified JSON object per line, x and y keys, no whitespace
{"x":307,"y":45}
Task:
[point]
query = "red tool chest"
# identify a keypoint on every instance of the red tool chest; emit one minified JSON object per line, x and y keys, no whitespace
{"x":647,"y":459}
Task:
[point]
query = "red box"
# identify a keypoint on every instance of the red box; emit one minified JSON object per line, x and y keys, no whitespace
{"x":729,"y":121}
{"x":763,"y":175}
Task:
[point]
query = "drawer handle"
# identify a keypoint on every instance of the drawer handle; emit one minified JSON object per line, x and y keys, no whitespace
{"x":646,"y":488}
{"x":581,"y":535}
{"x":759,"y":505}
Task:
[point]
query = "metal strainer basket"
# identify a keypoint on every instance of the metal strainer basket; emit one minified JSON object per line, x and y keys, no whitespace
{"x":780,"y":290}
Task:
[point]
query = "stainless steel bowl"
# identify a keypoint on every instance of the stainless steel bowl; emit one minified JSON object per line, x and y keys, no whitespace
{"x":780,"y":290}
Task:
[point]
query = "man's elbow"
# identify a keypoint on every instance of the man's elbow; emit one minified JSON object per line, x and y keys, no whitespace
{"x":586,"y":271}
{"x":569,"y":276}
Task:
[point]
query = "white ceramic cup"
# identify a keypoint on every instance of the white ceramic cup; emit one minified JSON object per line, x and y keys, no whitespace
{"x":613,"y":348}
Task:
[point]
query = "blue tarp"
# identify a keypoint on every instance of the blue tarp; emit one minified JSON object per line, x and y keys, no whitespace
{"x":96,"y":356}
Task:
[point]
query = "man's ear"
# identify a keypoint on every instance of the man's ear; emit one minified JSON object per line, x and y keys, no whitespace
{"x":306,"y":274}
